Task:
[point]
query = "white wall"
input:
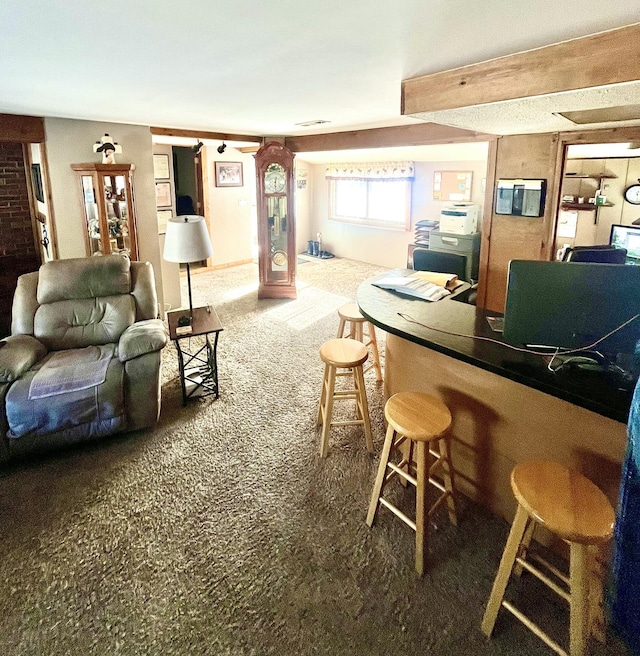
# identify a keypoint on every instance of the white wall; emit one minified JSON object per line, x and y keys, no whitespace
{"x":69,"y":142}
{"x":303,"y":195}
{"x":386,"y":248}
{"x":231,"y":210}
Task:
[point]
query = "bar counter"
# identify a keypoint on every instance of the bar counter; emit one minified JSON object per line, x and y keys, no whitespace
{"x":507,"y":405}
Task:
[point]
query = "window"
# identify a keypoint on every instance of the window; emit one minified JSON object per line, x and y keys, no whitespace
{"x":371,"y":195}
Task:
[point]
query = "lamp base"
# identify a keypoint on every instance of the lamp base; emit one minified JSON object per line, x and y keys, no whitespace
{"x":184,"y":320}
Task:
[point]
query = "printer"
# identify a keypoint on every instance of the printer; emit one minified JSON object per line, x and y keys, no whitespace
{"x":459,"y":218}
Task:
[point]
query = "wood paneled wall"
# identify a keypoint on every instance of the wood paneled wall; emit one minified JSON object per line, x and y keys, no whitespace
{"x":504,"y":237}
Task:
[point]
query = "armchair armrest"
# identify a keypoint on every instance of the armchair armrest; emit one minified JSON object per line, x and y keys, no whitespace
{"x":18,"y":354}
{"x":140,"y":338}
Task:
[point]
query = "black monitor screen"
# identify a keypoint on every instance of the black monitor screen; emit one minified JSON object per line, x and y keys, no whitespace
{"x":572,"y":304}
{"x":624,"y":236}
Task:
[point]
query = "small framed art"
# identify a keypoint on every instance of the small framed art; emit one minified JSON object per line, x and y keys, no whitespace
{"x":229,"y":174}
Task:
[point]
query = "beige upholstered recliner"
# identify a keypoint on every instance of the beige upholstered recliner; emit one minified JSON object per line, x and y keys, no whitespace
{"x":83,"y":359}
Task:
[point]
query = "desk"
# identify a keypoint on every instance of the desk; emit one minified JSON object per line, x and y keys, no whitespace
{"x":507,"y":407}
{"x":198,"y":366}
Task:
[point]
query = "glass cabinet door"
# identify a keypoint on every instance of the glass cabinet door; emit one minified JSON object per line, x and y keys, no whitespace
{"x":117,"y":210}
{"x":108,"y":207}
{"x":92,"y":216}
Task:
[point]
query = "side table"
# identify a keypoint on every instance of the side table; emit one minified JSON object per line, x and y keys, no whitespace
{"x":198,"y":366}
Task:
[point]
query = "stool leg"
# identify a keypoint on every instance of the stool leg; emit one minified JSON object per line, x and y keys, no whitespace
{"x":352,"y":330}
{"x":504,"y":571}
{"x":363,"y":406}
{"x":597,"y":565}
{"x":380,"y":476}
{"x":374,"y":351}
{"x":578,"y":622}
{"x":341,"y":328}
{"x":323,"y":395}
{"x":328,"y":412}
{"x":447,"y":477}
{"x":422,"y":515}
{"x":358,"y":332}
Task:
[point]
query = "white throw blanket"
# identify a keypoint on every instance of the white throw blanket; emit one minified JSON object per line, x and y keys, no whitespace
{"x":70,"y":371}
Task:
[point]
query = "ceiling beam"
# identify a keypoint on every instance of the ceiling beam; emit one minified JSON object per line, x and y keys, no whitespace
{"x":26,"y":129}
{"x":204,"y":134}
{"x":600,"y":59}
{"x":420,"y":134}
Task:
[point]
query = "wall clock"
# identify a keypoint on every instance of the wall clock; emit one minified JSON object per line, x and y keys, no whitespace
{"x":632,"y":193}
{"x":276,"y":223}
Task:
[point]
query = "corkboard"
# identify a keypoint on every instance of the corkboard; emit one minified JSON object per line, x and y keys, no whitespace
{"x":452,"y":185}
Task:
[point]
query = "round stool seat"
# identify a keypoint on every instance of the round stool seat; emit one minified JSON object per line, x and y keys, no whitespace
{"x":418,"y":416}
{"x":343,"y":352}
{"x":350,"y":312}
{"x":564,"y":501}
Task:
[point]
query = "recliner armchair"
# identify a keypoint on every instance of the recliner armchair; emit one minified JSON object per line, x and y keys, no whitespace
{"x":83,"y":359}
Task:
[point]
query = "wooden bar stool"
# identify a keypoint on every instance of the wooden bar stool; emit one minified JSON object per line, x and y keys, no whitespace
{"x":354,"y":322}
{"x":348,"y":355}
{"x":420,"y":420}
{"x":573,"y":508}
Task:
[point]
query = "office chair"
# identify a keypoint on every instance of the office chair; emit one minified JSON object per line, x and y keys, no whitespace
{"x":428,"y":260}
{"x":597,"y":254}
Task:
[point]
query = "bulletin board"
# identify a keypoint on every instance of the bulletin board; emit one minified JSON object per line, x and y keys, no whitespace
{"x":452,"y":185}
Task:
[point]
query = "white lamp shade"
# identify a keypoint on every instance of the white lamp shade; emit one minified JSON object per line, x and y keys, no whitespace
{"x":187,"y":239}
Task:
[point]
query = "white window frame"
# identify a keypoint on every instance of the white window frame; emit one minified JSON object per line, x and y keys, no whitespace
{"x":366,"y":221}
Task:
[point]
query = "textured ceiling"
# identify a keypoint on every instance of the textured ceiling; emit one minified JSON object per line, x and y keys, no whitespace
{"x":254,"y":67}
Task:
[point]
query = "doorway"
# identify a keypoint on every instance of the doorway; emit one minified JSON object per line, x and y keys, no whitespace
{"x":595,"y":175}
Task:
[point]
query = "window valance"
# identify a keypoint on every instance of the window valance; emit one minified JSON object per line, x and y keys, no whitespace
{"x":371,"y":170}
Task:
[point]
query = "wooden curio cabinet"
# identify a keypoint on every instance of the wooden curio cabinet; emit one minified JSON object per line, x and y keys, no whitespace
{"x":106,"y":191}
{"x":276,"y":221}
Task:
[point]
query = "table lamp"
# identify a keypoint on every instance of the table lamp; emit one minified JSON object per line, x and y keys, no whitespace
{"x":186,"y":241}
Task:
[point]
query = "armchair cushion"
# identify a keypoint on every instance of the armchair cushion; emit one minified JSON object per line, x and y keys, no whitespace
{"x":140,"y":338}
{"x":97,"y":409}
{"x":18,"y":354}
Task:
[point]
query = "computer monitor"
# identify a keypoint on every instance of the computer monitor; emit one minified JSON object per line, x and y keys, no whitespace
{"x":626,"y":236}
{"x":570,"y":305}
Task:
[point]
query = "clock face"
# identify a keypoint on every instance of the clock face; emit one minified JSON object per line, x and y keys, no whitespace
{"x":274,"y":179}
{"x":632,"y":194}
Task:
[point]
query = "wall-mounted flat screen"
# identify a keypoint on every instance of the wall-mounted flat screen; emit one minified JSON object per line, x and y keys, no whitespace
{"x":625,"y":236}
{"x":572,"y":304}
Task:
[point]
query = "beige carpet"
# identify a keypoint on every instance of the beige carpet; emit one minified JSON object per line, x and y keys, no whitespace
{"x":222,"y":532}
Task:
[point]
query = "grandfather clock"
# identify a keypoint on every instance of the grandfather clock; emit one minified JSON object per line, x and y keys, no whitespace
{"x":276,"y":221}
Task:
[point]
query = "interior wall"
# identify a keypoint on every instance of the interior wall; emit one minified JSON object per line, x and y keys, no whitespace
{"x":231,"y":210}
{"x":170,"y":271}
{"x":303,"y":195}
{"x":375,"y":245}
{"x":71,"y":141}
{"x":508,"y":237}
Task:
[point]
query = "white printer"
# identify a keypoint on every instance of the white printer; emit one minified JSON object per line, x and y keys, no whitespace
{"x":459,"y":218}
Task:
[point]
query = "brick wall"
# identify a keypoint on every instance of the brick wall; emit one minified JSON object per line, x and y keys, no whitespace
{"x":18,"y":253}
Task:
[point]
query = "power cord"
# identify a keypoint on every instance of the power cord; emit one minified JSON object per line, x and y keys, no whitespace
{"x":558,"y":350}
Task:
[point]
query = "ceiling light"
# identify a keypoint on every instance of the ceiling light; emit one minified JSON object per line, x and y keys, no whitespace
{"x":222,"y":147}
{"x":306,"y":124}
{"x":197,"y":148}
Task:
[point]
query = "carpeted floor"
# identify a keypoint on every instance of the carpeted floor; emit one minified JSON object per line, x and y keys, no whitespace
{"x":222,"y":532}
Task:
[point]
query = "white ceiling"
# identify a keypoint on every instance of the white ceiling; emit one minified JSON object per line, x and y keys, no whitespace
{"x":253,"y":67}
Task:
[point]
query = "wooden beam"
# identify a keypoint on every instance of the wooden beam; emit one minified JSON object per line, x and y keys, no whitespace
{"x":26,"y":129}
{"x":420,"y":134}
{"x":204,"y":134}
{"x":600,"y":59}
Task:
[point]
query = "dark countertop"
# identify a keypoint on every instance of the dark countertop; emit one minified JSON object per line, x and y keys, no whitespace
{"x":591,"y":390}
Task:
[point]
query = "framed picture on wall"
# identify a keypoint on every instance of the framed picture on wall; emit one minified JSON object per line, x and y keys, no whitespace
{"x":36,"y":178}
{"x":229,"y":174}
{"x":163,"y":194}
{"x":161,"y":167}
